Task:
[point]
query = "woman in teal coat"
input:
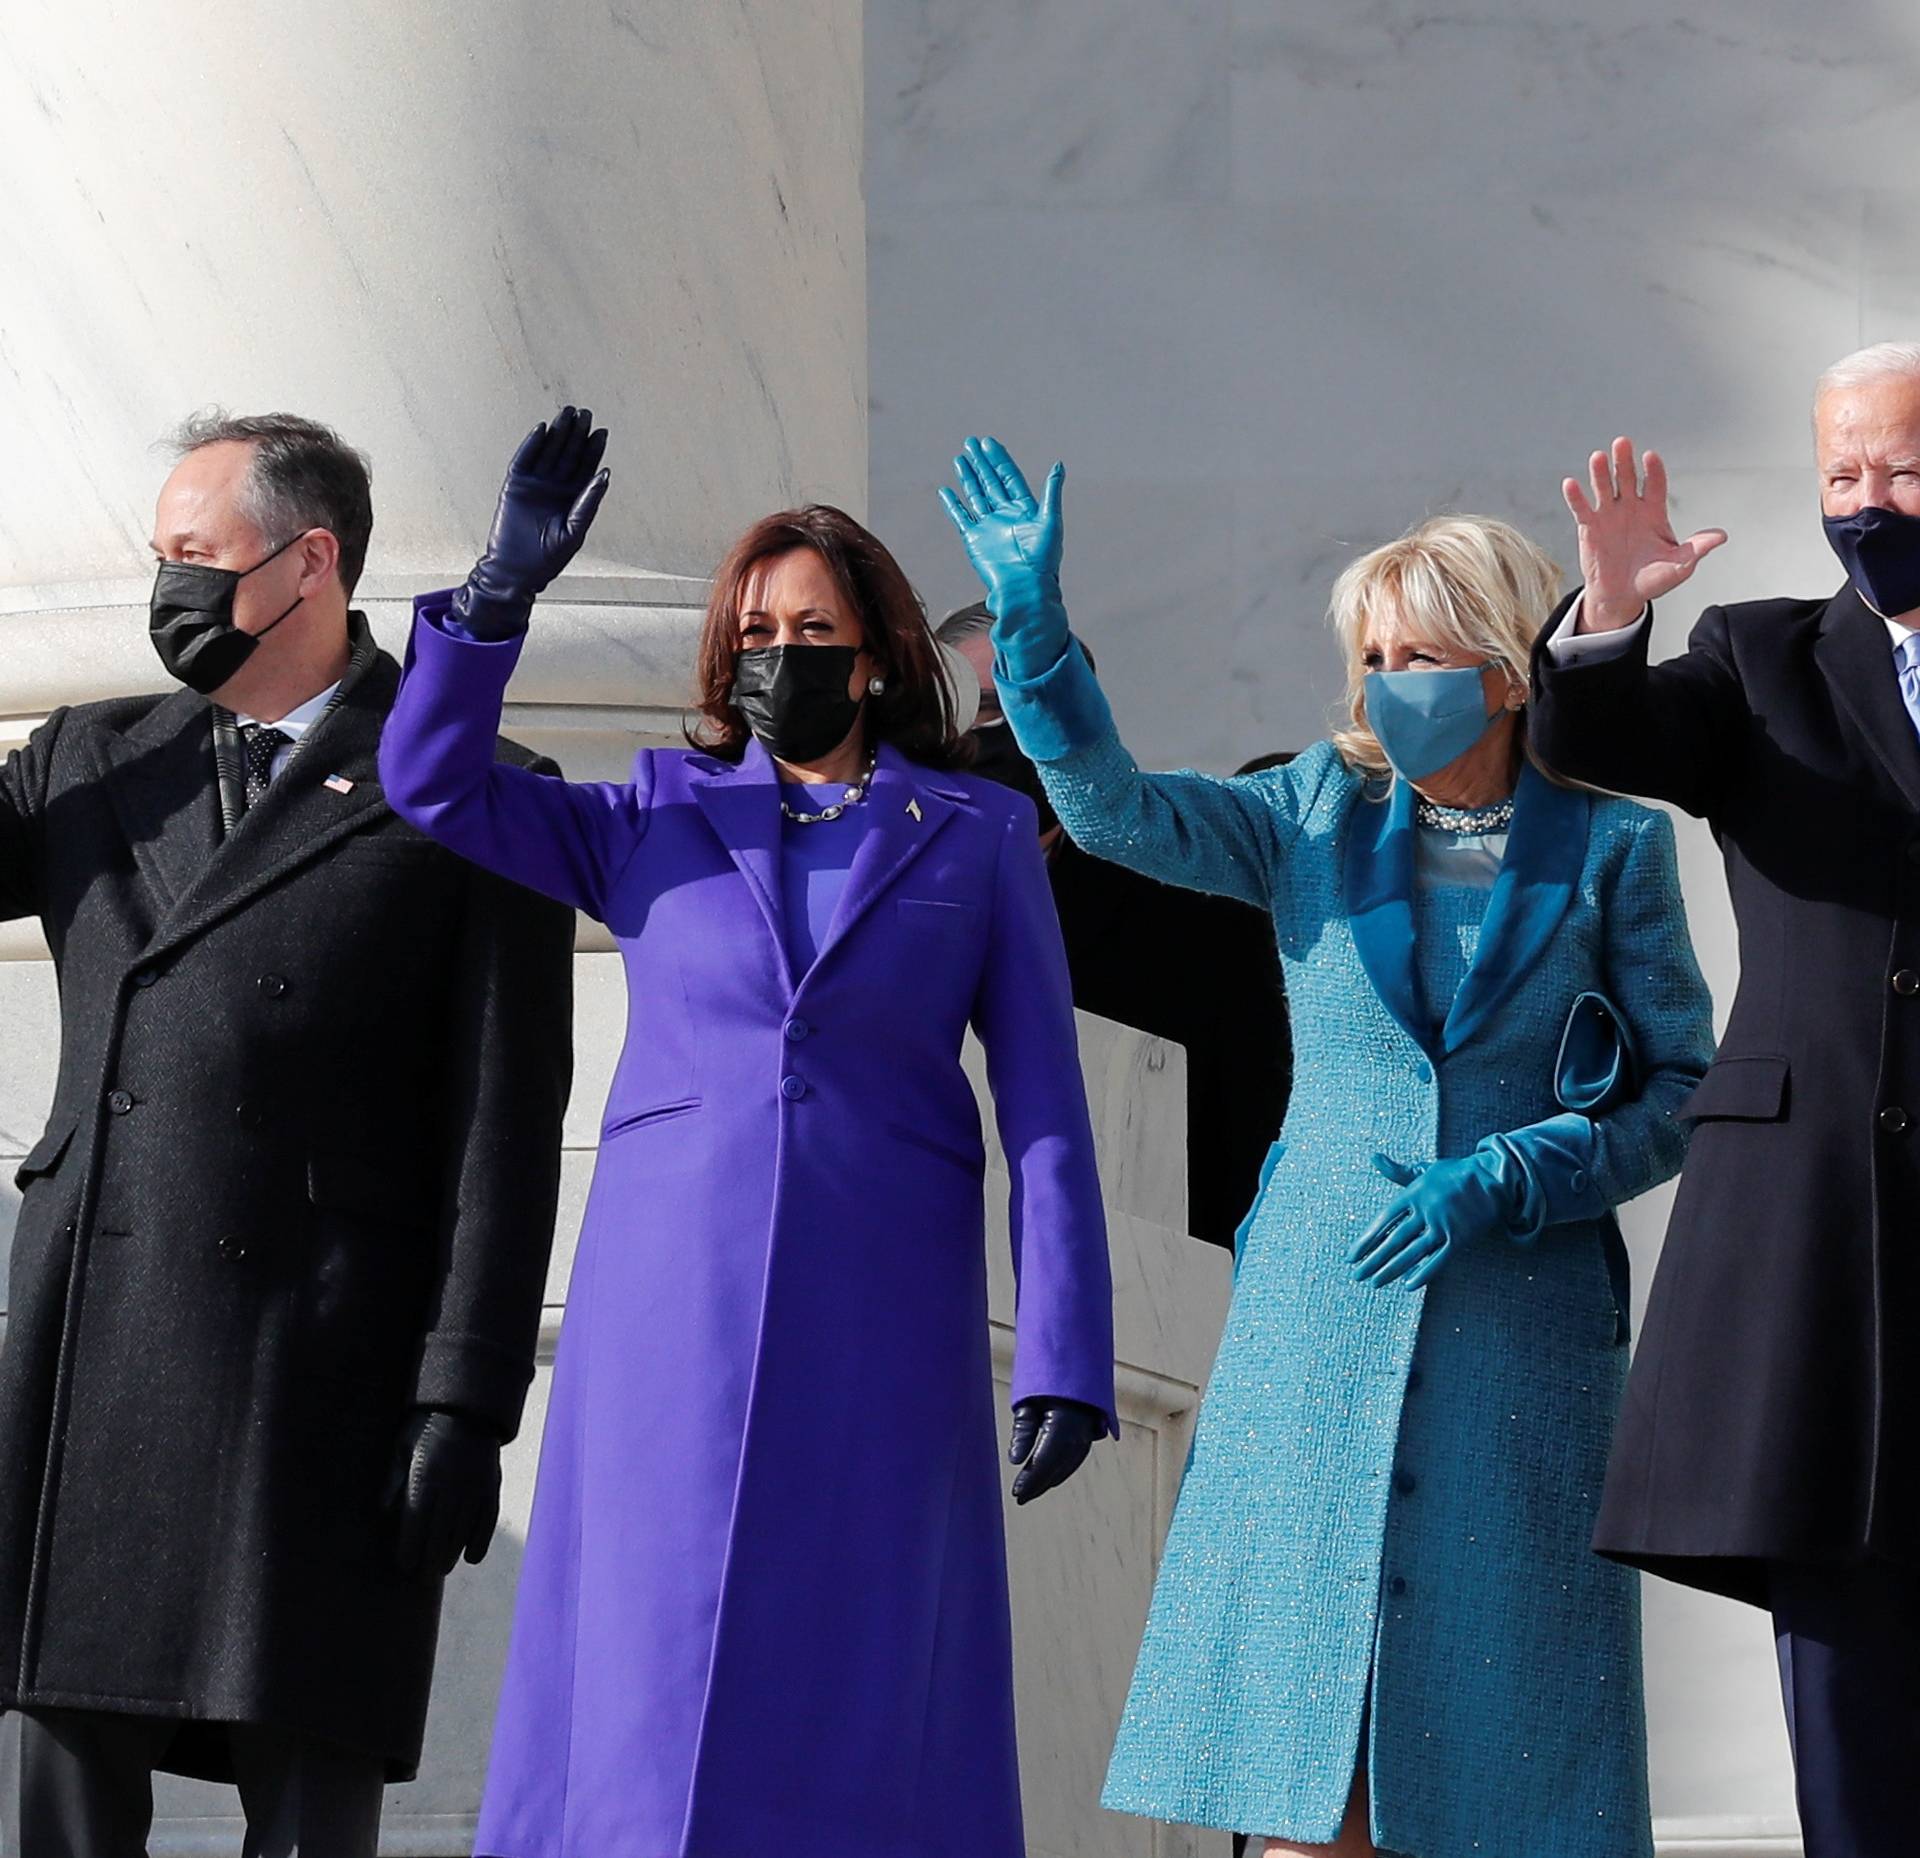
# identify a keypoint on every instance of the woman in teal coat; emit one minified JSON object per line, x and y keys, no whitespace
{"x":1378,"y":1624}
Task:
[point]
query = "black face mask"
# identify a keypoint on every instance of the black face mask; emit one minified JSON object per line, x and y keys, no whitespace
{"x":794,"y":697}
{"x":997,"y":755}
{"x":190,"y":620}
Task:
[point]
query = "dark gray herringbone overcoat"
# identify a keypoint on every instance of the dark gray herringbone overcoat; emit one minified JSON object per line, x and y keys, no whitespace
{"x":299,"y":1176}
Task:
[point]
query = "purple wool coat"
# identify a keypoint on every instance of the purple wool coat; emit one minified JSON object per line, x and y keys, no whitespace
{"x":764,"y":1601}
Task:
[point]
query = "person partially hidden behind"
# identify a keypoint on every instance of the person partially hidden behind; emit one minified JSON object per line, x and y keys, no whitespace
{"x":1199,"y":970}
{"x":1768,"y":1442}
{"x":277,"y":1275}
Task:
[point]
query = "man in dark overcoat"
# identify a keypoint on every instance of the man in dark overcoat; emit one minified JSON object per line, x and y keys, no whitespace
{"x":276,"y":1280}
{"x":1771,"y":1432}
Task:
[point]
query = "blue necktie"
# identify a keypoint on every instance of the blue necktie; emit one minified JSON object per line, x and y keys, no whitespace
{"x":1909,"y":655}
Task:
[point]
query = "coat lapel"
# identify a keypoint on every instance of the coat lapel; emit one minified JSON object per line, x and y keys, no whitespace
{"x":1546,"y":851}
{"x":160,"y":775}
{"x":906,"y":815}
{"x":299,"y":816}
{"x":1858,"y":658}
{"x":742,"y":805}
{"x":1379,"y":896}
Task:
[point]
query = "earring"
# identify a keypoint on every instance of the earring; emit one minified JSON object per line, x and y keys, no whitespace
{"x":875,"y":685}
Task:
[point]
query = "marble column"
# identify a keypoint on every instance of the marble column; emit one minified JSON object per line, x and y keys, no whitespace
{"x":427,"y":224}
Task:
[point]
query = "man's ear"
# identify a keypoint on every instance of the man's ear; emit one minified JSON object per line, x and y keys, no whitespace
{"x":319,"y":552}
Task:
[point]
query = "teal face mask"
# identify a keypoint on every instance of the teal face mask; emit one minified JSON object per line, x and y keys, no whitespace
{"x":1425,"y":719}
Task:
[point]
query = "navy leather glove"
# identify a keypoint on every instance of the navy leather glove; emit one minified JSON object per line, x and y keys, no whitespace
{"x":446,"y":1486}
{"x":1014,"y":542}
{"x":554,"y":486}
{"x":1051,"y":1439}
{"x":1439,"y":1210}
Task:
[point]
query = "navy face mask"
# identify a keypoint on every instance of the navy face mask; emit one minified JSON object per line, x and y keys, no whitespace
{"x":190,"y":620}
{"x":1880,"y":550}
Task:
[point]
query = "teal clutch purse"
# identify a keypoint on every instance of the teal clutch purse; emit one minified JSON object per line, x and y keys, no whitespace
{"x":1596,"y":1067}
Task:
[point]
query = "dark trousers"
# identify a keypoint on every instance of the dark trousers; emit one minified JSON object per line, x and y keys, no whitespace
{"x":1849,"y":1644}
{"x":83,"y":1788}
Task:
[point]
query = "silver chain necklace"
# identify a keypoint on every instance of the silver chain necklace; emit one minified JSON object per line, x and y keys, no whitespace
{"x":854,"y":795}
{"x":1468,"y":820}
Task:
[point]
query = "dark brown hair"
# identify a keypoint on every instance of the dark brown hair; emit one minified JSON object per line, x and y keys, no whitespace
{"x":915,"y":712}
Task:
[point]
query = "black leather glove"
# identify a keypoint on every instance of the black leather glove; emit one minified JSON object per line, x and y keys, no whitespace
{"x":1051,"y":1439}
{"x":554,"y":486}
{"x":446,"y":1486}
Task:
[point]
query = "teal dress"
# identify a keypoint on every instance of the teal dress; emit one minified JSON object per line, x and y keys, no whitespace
{"x":1383,"y":1529}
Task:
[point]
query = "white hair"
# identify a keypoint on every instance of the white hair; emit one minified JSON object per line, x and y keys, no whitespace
{"x":1882,"y":361}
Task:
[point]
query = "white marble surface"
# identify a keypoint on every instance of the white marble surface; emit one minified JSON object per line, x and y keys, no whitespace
{"x":429,"y":225}
{"x":1321,"y":269}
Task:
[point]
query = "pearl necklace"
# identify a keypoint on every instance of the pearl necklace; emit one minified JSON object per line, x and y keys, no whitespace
{"x":1468,"y":820}
{"x":854,"y":795}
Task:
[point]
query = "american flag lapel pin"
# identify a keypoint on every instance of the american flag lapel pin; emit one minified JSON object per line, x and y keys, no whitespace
{"x":337,"y":784}
{"x":913,"y":808}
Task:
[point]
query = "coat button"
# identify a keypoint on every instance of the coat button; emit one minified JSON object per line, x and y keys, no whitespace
{"x":793,"y":1088}
{"x":119,"y":1101}
{"x":797,"y":1029}
{"x":146,"y":977}
{"x":1894,"y":1120}
{"x":274,"y":986}
{"x":248,"y":1115}
{"x":232,"y":1249}
{"x":1405,"y":1483}
{"x":1906,"y":983}
{"x":1422,"y":1071}
{"x":1397,"y":1586}
{"x":1578,"y":1180}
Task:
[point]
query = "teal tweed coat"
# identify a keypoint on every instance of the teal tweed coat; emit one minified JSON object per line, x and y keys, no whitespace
{"x":1384,"y":1524}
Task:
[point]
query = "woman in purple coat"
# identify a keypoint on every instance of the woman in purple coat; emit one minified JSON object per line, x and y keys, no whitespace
{"x":764,"y":1603}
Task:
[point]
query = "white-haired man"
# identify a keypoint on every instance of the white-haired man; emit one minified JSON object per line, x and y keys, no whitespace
{"x":1768,"y":1445}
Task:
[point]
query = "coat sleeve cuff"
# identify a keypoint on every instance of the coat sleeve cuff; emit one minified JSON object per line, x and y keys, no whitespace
{"x":1550,"y":1165}
{"x":474,"y":1376}
{"x":1059,"y":712}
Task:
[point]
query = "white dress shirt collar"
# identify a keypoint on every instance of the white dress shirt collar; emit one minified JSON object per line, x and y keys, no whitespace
{"x":299,"y":720}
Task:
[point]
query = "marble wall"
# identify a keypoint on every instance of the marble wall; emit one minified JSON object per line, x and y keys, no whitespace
{"x":1279,"y":277}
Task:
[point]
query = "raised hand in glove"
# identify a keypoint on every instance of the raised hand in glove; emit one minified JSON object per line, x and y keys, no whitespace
{"x":547,"y":504}
{"x":446,"y":1487}
{"x":1014,"y":541}
{"x":1051,"y":1439}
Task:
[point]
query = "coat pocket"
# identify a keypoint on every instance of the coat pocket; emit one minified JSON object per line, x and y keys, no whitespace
{"x":1240,"y":1232}
{"x":1742,"y":1089}
{"x":45,"y":1155}
{"x":974,"y":1161}
{"x":932,"y":916}
{"x":339,"y":1181}
{"x":653,"y":1113}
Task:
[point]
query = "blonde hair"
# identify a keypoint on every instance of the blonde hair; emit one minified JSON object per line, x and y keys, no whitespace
{"x":1471,"y":583}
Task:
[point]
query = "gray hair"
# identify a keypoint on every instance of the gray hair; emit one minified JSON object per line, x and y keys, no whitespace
{"x":1882,"y":361}
{"x":963,"y":623}
{"x":303,"y":476}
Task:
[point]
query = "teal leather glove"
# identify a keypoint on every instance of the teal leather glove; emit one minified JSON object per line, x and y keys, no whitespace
{"x":1514,"y":1185}
{"x":1439,"y":1210}
{"x":1014,"y":543}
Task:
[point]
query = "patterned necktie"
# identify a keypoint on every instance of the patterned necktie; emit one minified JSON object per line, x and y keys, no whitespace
{"x":261,"y":744}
